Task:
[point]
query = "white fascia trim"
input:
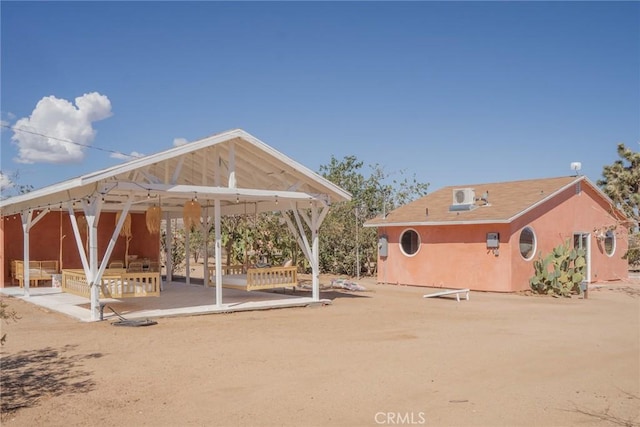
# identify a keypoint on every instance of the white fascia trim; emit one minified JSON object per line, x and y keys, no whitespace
{"x":432,"y":223}
{"x":45,"y":191}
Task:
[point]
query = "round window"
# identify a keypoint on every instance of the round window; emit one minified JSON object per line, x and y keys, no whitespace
{"x":410,"y":242}
{"x":527,"y":243}
{"x":610,"y":243}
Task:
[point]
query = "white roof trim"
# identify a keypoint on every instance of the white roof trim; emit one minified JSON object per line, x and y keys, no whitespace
{"x":435,"y":223}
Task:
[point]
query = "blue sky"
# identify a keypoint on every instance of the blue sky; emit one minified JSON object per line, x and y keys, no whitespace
{"x":454,"y":92}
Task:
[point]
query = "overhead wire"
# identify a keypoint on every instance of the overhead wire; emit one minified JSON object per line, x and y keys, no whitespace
{"x":17,"y":129}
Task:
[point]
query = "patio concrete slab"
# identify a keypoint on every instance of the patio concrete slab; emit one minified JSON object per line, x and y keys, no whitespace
{"x":177,"y":299}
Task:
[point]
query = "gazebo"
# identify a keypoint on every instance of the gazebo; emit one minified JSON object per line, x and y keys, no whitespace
{"x":226,"y":173}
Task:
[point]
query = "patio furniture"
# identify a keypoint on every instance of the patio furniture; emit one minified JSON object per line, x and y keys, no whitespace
{"x":257,"y":278}
{"x":135,"y":267}
{"x":38,"y":271}
{"x":455,"y":292}
{"x":114,"y":284}
{"x":154,"y":266}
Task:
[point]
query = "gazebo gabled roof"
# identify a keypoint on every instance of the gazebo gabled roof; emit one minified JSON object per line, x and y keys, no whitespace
{"x":232,"y":166}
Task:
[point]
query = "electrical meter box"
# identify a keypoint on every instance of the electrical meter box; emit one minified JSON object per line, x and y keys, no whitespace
{"x":383,"y":246}
{"x":493,"y":240}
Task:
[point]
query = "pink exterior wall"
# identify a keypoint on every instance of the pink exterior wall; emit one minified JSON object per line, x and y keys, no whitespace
{"x":450,"y":256}
{"x":456,"y":256}
{"x":45,"y":237}
{"x":558,"y":220}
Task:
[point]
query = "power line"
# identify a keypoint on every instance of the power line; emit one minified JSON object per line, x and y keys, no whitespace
{"x":17,"y":129}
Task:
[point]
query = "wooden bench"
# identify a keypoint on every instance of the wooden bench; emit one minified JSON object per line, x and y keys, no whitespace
{"x":226,"y":269}
{"x":38,"y":271}
{"x":455,"y":292}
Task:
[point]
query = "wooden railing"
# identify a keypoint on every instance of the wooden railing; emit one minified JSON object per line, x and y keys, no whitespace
{"x":115,"y":283}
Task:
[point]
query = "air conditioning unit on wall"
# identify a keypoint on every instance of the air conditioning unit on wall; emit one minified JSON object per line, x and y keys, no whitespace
{"x":463,"y":196}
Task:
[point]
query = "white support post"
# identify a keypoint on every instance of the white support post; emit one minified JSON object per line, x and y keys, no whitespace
{"x":205,"y":232}
{"x":159,"y":242}
{"x":169,"y":247}
{"x":187,"y":252}
{"x":92,"y":210}
{"x":315,"y":265}
{"x":312,"y":252}
{"x":26,"y":226}
{"x":76,"y":234}
{"x":114,"y":237}
{"x":216,"y":224}
{"x":28,"y":221}
{"x":306,"y":248}
{"x":218,"y":250}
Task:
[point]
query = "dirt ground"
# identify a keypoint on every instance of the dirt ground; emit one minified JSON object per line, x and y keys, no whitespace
{"x":385,"y":356}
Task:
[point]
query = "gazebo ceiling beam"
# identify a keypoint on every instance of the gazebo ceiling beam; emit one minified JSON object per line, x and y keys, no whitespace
{"x":177,"y":171}
{"x":150,"y":177}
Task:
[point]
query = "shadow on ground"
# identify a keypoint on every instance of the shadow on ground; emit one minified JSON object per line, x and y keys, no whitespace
{"x":30,"y":375}
{"x":609,"y":416}
{"x":326,"y":292}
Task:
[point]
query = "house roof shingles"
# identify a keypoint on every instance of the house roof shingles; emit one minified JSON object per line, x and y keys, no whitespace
{"x":506,"y":201}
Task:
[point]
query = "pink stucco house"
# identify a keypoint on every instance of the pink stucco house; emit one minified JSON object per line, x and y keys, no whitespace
{"x":485,"y":237}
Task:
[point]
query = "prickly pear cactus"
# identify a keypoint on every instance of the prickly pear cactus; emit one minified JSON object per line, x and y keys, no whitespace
{"x":560,"y":272}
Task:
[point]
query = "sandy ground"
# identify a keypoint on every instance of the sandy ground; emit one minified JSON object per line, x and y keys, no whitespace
{"x":386,"y":356}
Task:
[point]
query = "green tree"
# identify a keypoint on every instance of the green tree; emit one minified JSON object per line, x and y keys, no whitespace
{"x":621,"y":182}
{"x":196,"y":244}
{"x":177,"y":248}
{"x":10,"y":185}
{"x":344,"y":244}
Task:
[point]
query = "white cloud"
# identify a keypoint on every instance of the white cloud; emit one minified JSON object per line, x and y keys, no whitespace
{"x":4,"y":124}
{"x":59,"y":120}
{"x":6,"y":184}
{"x":122,"y":156}
{"x":179,"y":141}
